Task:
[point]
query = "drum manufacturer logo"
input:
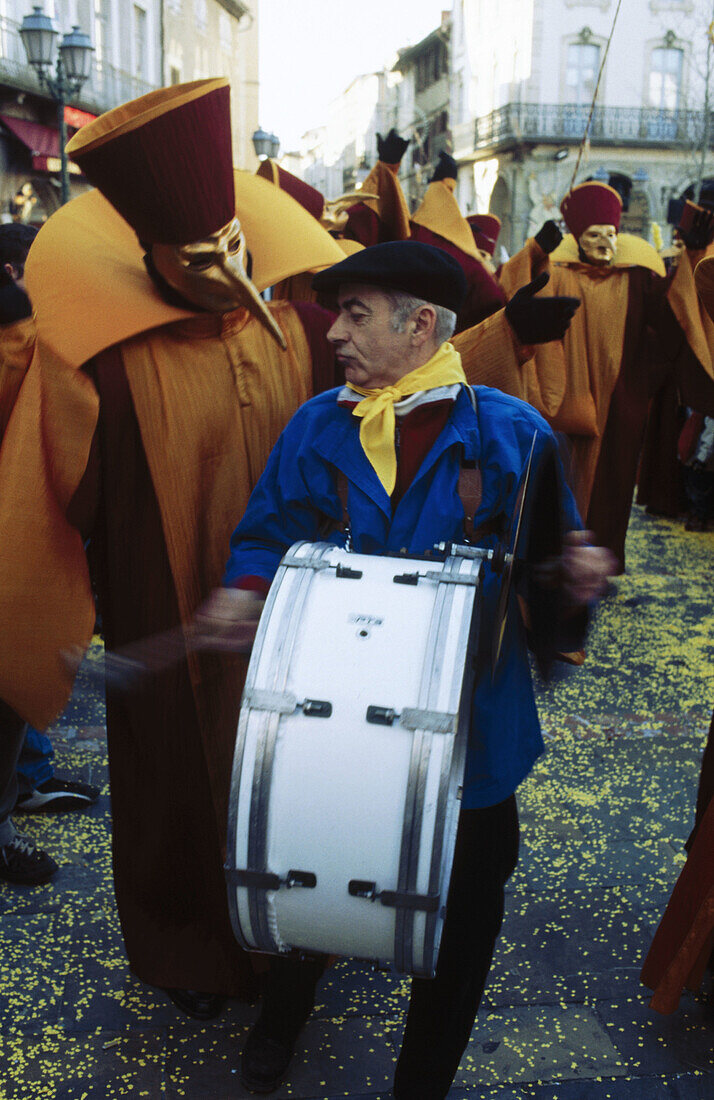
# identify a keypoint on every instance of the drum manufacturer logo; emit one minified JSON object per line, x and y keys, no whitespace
{"x":364,"y":620}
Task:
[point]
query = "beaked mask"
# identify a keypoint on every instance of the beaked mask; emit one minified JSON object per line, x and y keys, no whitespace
{"x":211,"y":273}
{"x":598,"y":244}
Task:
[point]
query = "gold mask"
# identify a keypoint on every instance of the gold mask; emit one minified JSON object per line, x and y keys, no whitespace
{"x":335,"y":213}
{"x":486,"y":259}
{"x":598,"y":243}
{"x":211,"y":274}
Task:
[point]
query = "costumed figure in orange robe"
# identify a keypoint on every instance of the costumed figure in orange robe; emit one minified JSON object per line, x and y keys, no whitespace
{"x":685,"y":344}
{"x":439,"y":221}
{"x":683,"y":946}
{"x":595,"y":387}
{"x":160,"y":382}
{"x":331,"y":215}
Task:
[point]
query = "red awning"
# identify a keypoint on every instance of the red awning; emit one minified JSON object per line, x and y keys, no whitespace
{"x":42,"y":142}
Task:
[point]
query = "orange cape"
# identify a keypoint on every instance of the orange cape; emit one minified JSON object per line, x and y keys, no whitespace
{"x":106,"y":266}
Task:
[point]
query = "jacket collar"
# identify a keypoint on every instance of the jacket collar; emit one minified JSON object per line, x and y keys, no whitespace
{"x":339,"y":444}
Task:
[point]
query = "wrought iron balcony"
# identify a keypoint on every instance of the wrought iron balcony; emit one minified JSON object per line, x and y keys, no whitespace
{"x":533,"y":123}
{"x":106,"y":87}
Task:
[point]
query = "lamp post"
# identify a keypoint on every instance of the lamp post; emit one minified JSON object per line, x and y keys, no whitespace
{"x":265,"y":144}
{"x":71,"y":64}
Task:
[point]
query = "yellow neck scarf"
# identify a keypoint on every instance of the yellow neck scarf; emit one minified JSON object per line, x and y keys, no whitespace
{"x":376,"y":432}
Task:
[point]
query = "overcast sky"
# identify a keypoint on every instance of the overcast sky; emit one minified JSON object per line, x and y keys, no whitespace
{"x":310,"y":50}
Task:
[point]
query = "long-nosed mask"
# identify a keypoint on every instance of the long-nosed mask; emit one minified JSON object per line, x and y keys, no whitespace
{"x":211,"y":274}
{"x":598,"y":243}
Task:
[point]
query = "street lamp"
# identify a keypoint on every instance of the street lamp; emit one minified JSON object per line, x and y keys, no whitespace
{"x":265,"y":144}
{"x":71,"y":68}
{"x":262,"y":143}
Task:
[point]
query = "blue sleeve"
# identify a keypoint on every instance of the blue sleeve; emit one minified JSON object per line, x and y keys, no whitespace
{"x":290,"y":502}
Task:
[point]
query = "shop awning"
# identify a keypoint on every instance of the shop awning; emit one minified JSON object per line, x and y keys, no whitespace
{"x":41,"y":141}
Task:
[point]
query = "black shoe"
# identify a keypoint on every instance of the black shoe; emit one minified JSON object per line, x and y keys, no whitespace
{"x":57,"y":795}
{"x":264,"y":1062}
{"x":199,"y":1006}
{"x":22,"y":862}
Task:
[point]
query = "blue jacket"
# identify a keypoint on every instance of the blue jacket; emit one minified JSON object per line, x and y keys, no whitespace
{"x":298,"y":488}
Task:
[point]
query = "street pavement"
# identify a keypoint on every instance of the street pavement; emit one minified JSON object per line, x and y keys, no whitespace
{"x":604,"y":818}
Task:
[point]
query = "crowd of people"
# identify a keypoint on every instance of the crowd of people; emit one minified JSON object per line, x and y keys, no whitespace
{"x":163,"y":416}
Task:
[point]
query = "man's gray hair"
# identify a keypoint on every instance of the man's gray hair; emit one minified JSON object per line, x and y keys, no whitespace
{"x":404,"y":305}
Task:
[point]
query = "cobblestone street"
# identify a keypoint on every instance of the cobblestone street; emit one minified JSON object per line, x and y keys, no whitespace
{"x":604,"y":818}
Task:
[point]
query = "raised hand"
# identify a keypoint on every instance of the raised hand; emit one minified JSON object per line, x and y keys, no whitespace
{"x":548,"y":236}
{"x":445,"y":169}
{"x":391,"y":148}
{"x":539,"y":320}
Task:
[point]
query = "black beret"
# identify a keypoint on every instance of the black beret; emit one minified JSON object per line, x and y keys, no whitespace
{"x":417,"y":269}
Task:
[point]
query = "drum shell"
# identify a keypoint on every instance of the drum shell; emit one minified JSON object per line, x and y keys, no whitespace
{"x":338,"y":797}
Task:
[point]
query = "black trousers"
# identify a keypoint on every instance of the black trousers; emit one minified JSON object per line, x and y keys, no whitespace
{"x":442,"y":1010}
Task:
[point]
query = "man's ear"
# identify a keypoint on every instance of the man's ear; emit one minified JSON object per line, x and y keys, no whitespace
{"x":11,"y":271}
{"x":424,"y":322}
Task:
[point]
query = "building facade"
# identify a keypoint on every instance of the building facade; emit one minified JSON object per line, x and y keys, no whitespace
{"x":126,"y":36}
{"x":421,"y":101}
{"x":523,"y":77}
{"x":138,"y":45}
{"x":206,"y":38}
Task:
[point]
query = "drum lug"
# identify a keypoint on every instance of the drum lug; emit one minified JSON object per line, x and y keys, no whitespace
{"x":266,"y":880}
{"x":406,"y":578}
{"x":381,"y":716}
{"x":346,"y":574}
{"x":394,"y":899}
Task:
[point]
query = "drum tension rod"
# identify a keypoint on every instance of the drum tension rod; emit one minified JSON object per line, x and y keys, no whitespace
{"x":425,"y":903}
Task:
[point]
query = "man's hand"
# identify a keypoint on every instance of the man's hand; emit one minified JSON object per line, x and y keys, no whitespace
{"x":539,"y":320}
{"x":581,"y":572}
{"x":700,"y":233}
{"x":227,"y":621}
{"x":548,"y":237}
{"x":391,"y":149}
{"x":446,"y":169}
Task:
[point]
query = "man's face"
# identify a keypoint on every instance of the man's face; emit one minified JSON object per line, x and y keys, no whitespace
{"x":371,"y":353}
{"x":598,"y":244}
{"x":209,"y":273}
{"x":487,"y":260}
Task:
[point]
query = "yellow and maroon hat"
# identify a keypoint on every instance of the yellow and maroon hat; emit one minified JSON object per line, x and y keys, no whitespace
{"x":485,"y":228}
{"x":164,"y":161}
{"x":591,"y":203}
{"x":308,"y":197}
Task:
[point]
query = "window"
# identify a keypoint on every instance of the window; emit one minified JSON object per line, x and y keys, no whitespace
{"x":102,"y":32}
{"x":139,"y":42}
{"x":200,"y":9}
{"x":224,"y":31}
{"x":583,"y":65}
{"x":431,"y":66}
{"x":665,"y":78}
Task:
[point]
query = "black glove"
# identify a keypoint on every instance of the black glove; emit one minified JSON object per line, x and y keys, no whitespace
{"x":548,"y":236}
{"x":445,"y":169}
{"x":701,"y":232}
{"x":391,"y":149}
{"x":539,"y":320}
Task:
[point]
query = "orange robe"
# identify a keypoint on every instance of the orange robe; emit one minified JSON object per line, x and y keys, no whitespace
{"x":152,"y":449}
{"x":17,"y":343}
{"x":604,"y":379}
{"x":685,"y":339}
{"x":684,"y":941}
